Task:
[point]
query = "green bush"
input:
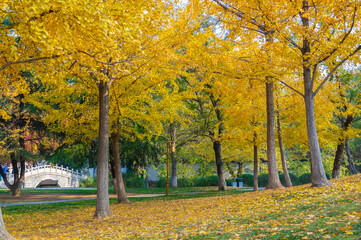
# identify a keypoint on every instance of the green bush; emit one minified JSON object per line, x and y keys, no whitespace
{"x":88,"y":182}
{"x":132,"y":180}
{"x":195,"y":182}
{"x":263,"y":180}
{"x":294,"y":179}
{"x":229,"y":182}
{"x":304,"y":178}
{"x":184,"y":182}
{"x":212,"y":180}
{"x":200,"y":182}
{"x":247,"y":179}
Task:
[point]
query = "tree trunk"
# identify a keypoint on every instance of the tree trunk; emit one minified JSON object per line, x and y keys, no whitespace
{"x":119,"y":183}
{"x":318,"y":175}
{"x":282,"y":150}
{"x":4,"y":235}
{"x":255,"y":168}
{"x":112,"y":170}
{"x":219,"y":163}
{"x":102,"y":204}
{"x":351,"y":166}
{"x":273,"y":177}
{"x":217,"y":145}
{"x":173,"y":156}
{"x":240,"y":169}
{"x":15,"y":188}
{"x":336,"y":171}
{"x":230,"y":170}
{"x":346,"y":123}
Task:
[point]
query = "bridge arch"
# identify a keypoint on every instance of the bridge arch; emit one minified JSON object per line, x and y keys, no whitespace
{"x":64,"y":176}
{"x":38,"y":183}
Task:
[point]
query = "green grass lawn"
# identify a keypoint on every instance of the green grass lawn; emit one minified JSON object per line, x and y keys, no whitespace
{"x":174,"y":194}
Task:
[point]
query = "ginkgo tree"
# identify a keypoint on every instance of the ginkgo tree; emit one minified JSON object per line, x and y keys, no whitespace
{"x":103,"y":43}
{"x":238,"y":24}
{"x":321,"y":36}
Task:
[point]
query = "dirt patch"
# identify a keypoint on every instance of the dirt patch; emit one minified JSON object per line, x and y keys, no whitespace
{"x":35,"y":197}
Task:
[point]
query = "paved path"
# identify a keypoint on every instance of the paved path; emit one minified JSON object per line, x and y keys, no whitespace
{"x":92,"y":198}
{"x":71,"y":200}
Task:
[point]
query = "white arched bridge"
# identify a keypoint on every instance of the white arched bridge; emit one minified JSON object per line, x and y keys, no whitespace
{"x":62,"y":177}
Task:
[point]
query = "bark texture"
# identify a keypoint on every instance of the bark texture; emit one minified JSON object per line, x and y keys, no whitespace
{"x":173,"y":156}
{"x":230,"y":170}
{"x":119,"y":183}
{"x":282,"y":150}
{"x":255,"y":168}
{"x":336,"y":171}
{"x":219,"y":163}
{"x":4,"y":235}
{"x":240,"y":169}
{"x":102,"y":204}
{"x":318,"y":175}
{"x":273,"y":177}
{"x":351,"y":166}
{"x":15,"y":188}
{"x":217,"y":145}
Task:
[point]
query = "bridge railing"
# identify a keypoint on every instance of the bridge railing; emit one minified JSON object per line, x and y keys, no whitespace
{"x":54,"y":168}
{"x":48,"y":168}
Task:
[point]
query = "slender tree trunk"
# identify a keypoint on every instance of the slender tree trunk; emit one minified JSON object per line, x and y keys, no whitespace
{"x":102,"y":204}
{"x":15,"y":188}
{"x":173,"y":156}
{"x":336,"y":171}
{"x":4,"y":235}
{"x":119,"y":186}
{"x":273,"y":177}
{"x":255,"y":168}
{"x":230,"y":170}
{"x":282,"y":150}
{"x":112,"y":170}
{"x":240,"y":169}
{"x":219,"y":163}
{"x":318,"y":175}
{"x":351,"y":166}
{"x":217,"y":145}
{"x":346,"y":123}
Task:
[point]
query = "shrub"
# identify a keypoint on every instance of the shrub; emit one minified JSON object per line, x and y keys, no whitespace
{"x":294,"y":179}
{"x":184,"y":182}
{"x":200,"y":182}
{"x":229,"y":182}
{"x":212,"y":180}
{"x":162,"y":182}
{"x":132,"y":180}
{"x":263,"y":180}
{"x":247,"y":179}
{"x":304,"y":178}
{"x":88,"y":182}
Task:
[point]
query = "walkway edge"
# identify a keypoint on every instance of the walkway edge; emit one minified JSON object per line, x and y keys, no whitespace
{"x":71,"y":200}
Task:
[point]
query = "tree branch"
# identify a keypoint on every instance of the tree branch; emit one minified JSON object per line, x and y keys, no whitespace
{"x":342,"y":40}
{"x":293,"y":89}
{"x":335,"y":68}
{"x":27,"y":61}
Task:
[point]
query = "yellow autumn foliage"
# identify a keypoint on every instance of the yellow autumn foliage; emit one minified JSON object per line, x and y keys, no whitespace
{"x":234,"y":216}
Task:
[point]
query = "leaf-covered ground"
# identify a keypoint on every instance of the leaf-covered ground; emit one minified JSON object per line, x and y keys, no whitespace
{"x":298,"y":213}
